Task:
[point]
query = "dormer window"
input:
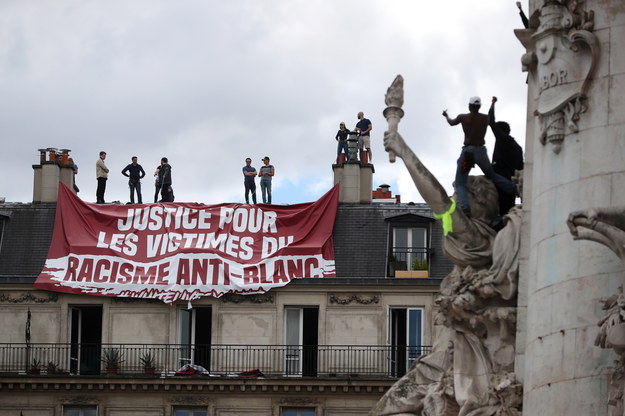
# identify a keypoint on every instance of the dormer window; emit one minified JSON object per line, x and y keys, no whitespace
{"x":409,"y":246}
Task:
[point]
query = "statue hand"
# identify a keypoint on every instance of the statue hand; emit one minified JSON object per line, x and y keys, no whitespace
{"x":393,"y":142}
{"x":584,"y":218}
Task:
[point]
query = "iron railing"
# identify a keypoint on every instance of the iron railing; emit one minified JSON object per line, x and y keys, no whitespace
{"x":218,"y":360}
{"x":408,"y":258}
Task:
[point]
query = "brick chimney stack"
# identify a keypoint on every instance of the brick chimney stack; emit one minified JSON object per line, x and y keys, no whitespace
{"x":384,"y":194}
{"x":54,"y":165}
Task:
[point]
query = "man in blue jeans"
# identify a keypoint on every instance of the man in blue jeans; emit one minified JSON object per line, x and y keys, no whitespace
{"x":474,"y":125}
{"x":249,"y":173}
{"x":135,"y":173}
{"x":266,"y":173}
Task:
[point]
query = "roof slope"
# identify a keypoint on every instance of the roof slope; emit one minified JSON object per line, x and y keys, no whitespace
{"x":26,"y":234}
{"x":360,"y":239}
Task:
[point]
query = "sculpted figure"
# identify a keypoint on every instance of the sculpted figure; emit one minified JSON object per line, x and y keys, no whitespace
{"x":607,"y":226}
{"x":469,"y":371}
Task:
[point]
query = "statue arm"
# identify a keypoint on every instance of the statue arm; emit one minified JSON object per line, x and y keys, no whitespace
{"x":614,"y":216}
{"x":428,"y":186}
{"x":601,"y":225}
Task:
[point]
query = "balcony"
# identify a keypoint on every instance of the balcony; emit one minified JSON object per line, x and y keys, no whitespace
{"x":95,"y":360}
{"x":409,"y":262}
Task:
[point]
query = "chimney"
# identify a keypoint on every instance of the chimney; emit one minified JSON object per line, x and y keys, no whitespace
{"x":384,"y":195}
{"x":355,"y":177}
{"x":54,"y":165}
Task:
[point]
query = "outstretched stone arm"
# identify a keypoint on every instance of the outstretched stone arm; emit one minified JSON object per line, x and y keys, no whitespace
{"x":603,"y":225}
{"x":428,"y":186}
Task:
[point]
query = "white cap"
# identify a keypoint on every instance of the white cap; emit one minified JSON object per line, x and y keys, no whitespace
{"x":475,"y":101}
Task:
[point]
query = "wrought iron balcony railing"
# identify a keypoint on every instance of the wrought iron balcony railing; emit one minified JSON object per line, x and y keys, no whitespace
{"x":408,"y":259}
{"x":218,"y":360}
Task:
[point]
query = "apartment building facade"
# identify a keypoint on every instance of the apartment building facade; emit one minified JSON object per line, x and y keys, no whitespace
{"x":316,"y":346}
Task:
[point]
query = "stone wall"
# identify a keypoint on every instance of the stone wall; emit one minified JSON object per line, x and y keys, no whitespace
{"x":574,"y":160}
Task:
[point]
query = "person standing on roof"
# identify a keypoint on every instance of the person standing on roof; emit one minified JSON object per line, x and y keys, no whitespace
{"x":341,"y":138}
{"x":266,"y":172}
{"x":164,"y":175}
{"x":135,"y":173}
{"x":101,"y":174}
{"x":249,"y":173}
{"x":364,"y":127}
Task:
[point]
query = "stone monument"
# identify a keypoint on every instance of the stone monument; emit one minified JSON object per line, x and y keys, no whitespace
{"x":521,"y":311}
{"x":574,"y":152}
{"x":470,"y":370}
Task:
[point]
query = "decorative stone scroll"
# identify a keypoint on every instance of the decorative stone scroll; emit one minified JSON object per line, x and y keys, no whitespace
{"x":197,"y":400}
{"x":562,"y":53}
{"x":346,"y":300}
{"x":29,"y":298}
{"x":235,"y":298}
{"x":79,"y":400}
{"x":298,"y":401}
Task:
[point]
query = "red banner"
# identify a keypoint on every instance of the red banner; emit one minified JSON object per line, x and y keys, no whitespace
{"x":183,"y":251}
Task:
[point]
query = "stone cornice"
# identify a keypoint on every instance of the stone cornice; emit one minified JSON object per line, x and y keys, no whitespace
{"x":175,"y":385}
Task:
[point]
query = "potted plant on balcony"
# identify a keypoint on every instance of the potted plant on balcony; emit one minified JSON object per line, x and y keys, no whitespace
{"x":147,"y":359}
{"x":52,"y":368}
{"x":112,"y":358}
{"x":35,"y":367}
{"x":418,"y":269}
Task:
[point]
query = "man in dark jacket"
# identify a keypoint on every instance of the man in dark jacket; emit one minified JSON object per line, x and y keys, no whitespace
{"x":507,"y":156}
{"x":164,"y":176}
{"x":474,"y":124}
{"x":134,"y":172}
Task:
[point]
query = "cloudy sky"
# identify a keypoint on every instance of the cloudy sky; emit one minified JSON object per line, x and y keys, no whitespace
{"x":208,"y":83}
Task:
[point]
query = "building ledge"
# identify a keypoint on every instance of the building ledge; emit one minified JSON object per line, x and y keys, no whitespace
{"x":368,"y":281}
{"x":333,"y":281}
{"x":72,"y":383}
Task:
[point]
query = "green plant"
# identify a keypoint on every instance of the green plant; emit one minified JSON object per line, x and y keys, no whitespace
{"x":36,"y":365}
{"x":419,"y":265}
{"x":147,"y":359}
{"x":52,"y":367}
{"x":112,"y":357}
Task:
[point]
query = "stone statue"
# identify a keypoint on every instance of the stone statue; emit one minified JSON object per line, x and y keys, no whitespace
{"x":393,"y":113}
{"x":607,"y":226}
{"x":469,"y":371}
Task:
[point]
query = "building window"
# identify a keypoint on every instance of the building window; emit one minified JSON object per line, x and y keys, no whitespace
{"x":409,"y":249}
{"x":406,"y":338}
{"x":86,"y":339}
{"x":301,"y":339}
{"x":190,"y":411}
{"x":195,"y":336}
{"x":80,"y":410}
{"x":298,"y":411}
